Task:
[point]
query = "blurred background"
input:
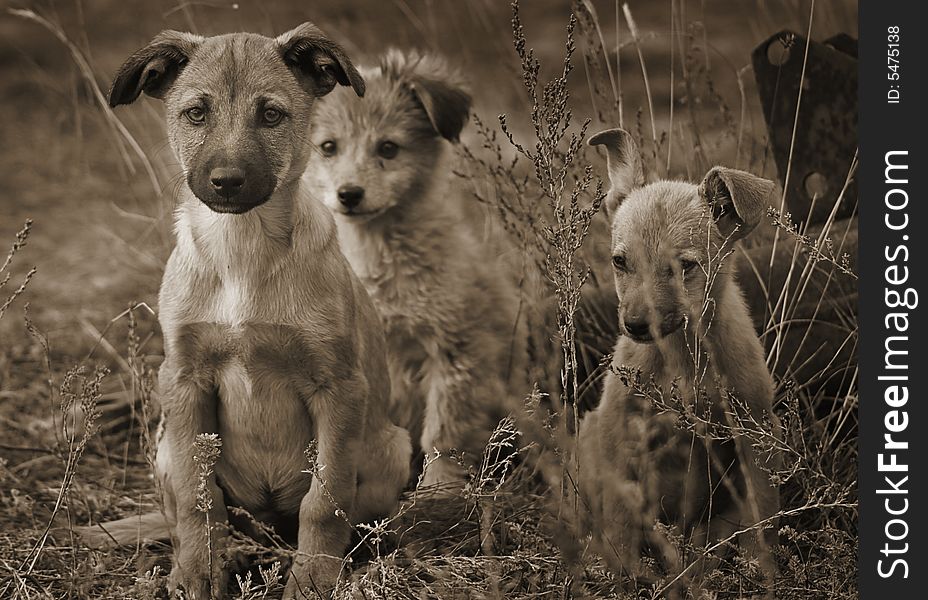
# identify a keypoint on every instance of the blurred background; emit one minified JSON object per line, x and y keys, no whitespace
{"x":101,"y":234}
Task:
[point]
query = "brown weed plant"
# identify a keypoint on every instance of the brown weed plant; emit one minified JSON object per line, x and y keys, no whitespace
{"x":5,"y":275}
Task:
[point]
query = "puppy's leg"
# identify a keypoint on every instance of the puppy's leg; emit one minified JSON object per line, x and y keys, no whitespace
{"x":607,"y":497}
{"x":587,"y":481}
{"x":382,"y":477}
{"x":698,"y":473}
{"x":324,"y":511}
{"x":197,"y":565}
{"x":766,"y":492}
{"x":761,"y":501}
{"x":758,"y":508}
{"x":613,"y":503}
{"x":458,"y":415}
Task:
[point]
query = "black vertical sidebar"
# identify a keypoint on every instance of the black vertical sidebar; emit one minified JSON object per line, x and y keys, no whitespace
{"x":893,"y":264}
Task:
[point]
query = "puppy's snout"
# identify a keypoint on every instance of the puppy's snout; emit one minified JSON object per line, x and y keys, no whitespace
{"x":350,"y":195}
{"x":637,"y":326}
{"x":227,"y":181}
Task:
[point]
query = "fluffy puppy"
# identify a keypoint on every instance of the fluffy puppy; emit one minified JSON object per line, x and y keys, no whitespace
{"x":382,"y":168}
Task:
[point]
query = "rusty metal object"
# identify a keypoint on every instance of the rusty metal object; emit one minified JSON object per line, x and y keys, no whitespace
{"x":826,"y":131}
{"x":843,"y":43}
{"x":811,"y":340}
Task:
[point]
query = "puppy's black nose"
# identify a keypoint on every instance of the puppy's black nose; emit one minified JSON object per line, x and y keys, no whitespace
{"x":637,"y":327}
{"x":227,"y":181}
{"x":350,"y":195}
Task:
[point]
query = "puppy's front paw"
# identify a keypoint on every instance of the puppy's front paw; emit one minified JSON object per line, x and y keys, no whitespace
{"x":197,"y":587}
{"x":444,"y":477}
{"x":196,"y":583}
{"x":313,"y":577}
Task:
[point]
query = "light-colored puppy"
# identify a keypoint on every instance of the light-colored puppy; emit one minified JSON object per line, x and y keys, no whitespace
{"x":685,"y":326}
{"x":269,"y":338}
{"x":382,"y":168}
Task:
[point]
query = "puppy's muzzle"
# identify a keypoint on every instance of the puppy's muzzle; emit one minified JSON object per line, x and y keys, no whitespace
{"x":640,"y":330}
{"x":227,"y":182}
{"x":231,"y":187}
{"x":350,"y":196}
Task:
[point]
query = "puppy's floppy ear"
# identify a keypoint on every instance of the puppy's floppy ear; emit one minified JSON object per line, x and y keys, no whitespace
{"x":447,"y":106}
{"x":623,"y":161}
{"x":318,"y":62}
{"x":738,"y":200}
{"x":154,"y":68}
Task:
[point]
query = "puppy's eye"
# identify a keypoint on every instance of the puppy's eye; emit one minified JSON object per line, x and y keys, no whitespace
{"x":196,"y":115}
{"x":271,"y":116}
{"x":388,"y":150}
{"x":618,"y":261}
{"x":328,"y":148}
{"x":688,"y":265}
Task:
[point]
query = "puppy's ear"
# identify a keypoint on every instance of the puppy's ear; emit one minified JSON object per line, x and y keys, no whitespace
{"x":447,"y":106}
{"x":738,"y":200}
{"x":318,"y":62}
{"x":154,"y":68}
{"x":623,"y":161}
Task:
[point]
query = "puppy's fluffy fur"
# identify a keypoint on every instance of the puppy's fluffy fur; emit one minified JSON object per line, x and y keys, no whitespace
{"x":685,"y":326}
{"x":445,"y":300}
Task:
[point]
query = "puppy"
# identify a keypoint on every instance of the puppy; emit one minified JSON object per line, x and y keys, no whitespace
{"x":270,"y":340}
{"x":686,"y":328}
{"x":382,"y":169}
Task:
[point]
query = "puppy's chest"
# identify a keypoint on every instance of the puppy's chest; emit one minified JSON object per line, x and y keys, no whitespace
{"x":414,"y":351}
{"x":264,"y":377}
{"x":285,"y":354}
{"x":404,"y":297}
{"x":401,"y":284}
{"x":658,"y":381}
{"x":238,"y":299}
{"x":665,"y":451}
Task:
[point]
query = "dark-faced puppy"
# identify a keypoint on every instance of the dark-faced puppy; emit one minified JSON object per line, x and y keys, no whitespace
{"x":270,"y":340}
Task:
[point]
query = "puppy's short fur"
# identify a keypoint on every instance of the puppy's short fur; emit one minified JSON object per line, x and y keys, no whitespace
{"x":382,"y":169}
{"x":270,"y":340}
{"x":684,"y":323}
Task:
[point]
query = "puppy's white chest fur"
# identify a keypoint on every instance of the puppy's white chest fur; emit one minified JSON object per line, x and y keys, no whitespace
{"x":233,"y":301}
{"x":262,"y":468}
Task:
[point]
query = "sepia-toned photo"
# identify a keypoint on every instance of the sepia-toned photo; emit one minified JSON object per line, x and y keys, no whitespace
{"x":423,"y":299}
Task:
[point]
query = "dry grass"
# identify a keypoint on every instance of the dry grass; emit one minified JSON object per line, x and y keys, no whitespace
{"x":78,"y":404}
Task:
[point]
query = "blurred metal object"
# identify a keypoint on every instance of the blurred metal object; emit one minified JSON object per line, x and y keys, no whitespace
{"x":826,"y":131}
